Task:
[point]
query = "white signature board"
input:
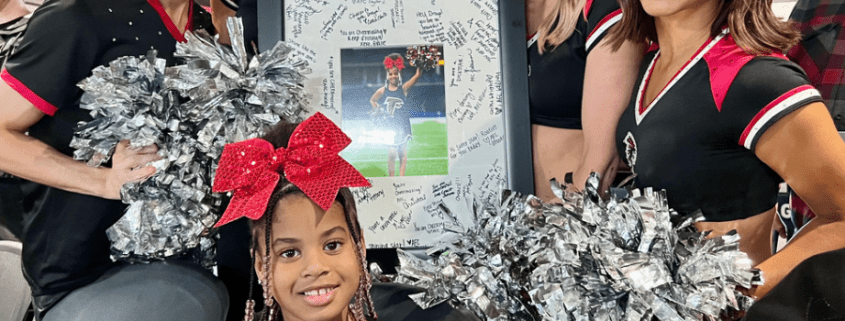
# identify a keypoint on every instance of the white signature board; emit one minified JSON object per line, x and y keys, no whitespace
{"x":456,"y":152}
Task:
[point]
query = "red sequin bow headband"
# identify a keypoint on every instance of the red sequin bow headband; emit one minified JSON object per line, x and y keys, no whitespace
{"x":311,"y":162}
{"x":390,"y":63}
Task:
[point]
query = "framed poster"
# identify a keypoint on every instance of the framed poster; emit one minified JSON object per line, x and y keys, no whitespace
{"x":433,"y":94}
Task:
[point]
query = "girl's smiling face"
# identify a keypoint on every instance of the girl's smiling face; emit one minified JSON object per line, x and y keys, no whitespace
{"x":393,"y":76}
{"x":314,"y":268}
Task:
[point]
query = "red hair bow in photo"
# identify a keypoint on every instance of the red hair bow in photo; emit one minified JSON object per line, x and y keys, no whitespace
{"x":390,"y":63}
{"x":311,"y":162}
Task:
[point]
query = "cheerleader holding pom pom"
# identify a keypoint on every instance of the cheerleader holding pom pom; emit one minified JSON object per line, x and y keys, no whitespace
{"x":391,"y":115}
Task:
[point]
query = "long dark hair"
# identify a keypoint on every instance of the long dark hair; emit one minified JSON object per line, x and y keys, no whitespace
{"x":279,"y":137}
{"x":752,"y":24}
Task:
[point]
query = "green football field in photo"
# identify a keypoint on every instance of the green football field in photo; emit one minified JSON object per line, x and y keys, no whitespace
{"x":427,"y":154}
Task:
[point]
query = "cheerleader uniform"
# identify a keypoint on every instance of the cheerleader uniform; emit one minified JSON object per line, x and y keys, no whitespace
{"x":65,"y":246}
{"x":696,"y":139}
{"x":400,"y":121}
{"x":556,"y":78}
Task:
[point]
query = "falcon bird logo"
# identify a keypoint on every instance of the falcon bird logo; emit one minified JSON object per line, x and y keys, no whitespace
{"x":630,"y":150}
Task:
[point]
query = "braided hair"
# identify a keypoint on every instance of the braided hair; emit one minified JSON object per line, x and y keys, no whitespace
{"x":363,"y":303}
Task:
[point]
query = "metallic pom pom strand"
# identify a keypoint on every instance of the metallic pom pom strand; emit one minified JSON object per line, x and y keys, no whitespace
{"x":583,"y":259}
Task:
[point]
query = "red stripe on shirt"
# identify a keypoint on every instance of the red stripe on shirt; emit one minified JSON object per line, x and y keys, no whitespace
{"x":171,"y":27}
{"x":768,"y":107}
{"x":603,"y":21}
{"x":28,"y":94}
{"x":644,"y":107}
{"x":587,"y":7}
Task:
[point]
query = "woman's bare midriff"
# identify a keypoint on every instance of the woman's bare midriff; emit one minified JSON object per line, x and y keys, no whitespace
{"x":556,"y":152}
{"x":755,"y":233}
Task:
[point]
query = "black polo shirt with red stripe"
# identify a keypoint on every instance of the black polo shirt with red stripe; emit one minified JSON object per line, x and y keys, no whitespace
{"x":556,"y":78}
{"x":696,"y":139}
{"x":65,"y":243}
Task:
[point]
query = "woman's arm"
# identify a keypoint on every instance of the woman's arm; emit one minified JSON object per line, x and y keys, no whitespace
{"x":410,"y":83}
{"x":375,"y":98}
{"x":31,"y":159}
{"x":219,"y":13}
{"x":608,"y":82}
{"x":806,"y":150}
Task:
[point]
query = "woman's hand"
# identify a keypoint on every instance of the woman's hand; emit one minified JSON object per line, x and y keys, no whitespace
{"x":607,"y":175}
{"x":735,"y":314}
{"x":31,"y":159}
{"x":129,"y":164}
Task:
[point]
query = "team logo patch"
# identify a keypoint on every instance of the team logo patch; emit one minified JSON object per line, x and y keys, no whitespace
{"x":630,"y":150}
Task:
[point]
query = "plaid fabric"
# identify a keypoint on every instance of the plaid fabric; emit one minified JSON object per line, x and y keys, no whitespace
{"x":10,"y":36}
{"x":822,"y":51}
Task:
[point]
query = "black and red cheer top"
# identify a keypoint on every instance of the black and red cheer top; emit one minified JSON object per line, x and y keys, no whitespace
{"x":696,"y":139}
{"x":64,"y":237}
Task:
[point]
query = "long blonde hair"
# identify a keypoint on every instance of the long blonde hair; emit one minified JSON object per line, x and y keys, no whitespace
{"x":560,"y":24}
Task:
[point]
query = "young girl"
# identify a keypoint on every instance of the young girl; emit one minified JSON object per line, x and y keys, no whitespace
{"x":387,"y":104}
{"x":307,"y":243}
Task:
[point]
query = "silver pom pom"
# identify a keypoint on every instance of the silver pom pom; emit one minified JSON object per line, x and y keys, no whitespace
{"x":217,"y":96}
{"x":584,"y":259}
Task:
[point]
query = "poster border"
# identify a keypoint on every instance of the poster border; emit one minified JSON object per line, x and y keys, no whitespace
{"x":514,"y":69}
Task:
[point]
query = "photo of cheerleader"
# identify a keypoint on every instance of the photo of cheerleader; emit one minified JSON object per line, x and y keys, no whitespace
{"x":387,"y":105}
{"x":393,"y":103}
